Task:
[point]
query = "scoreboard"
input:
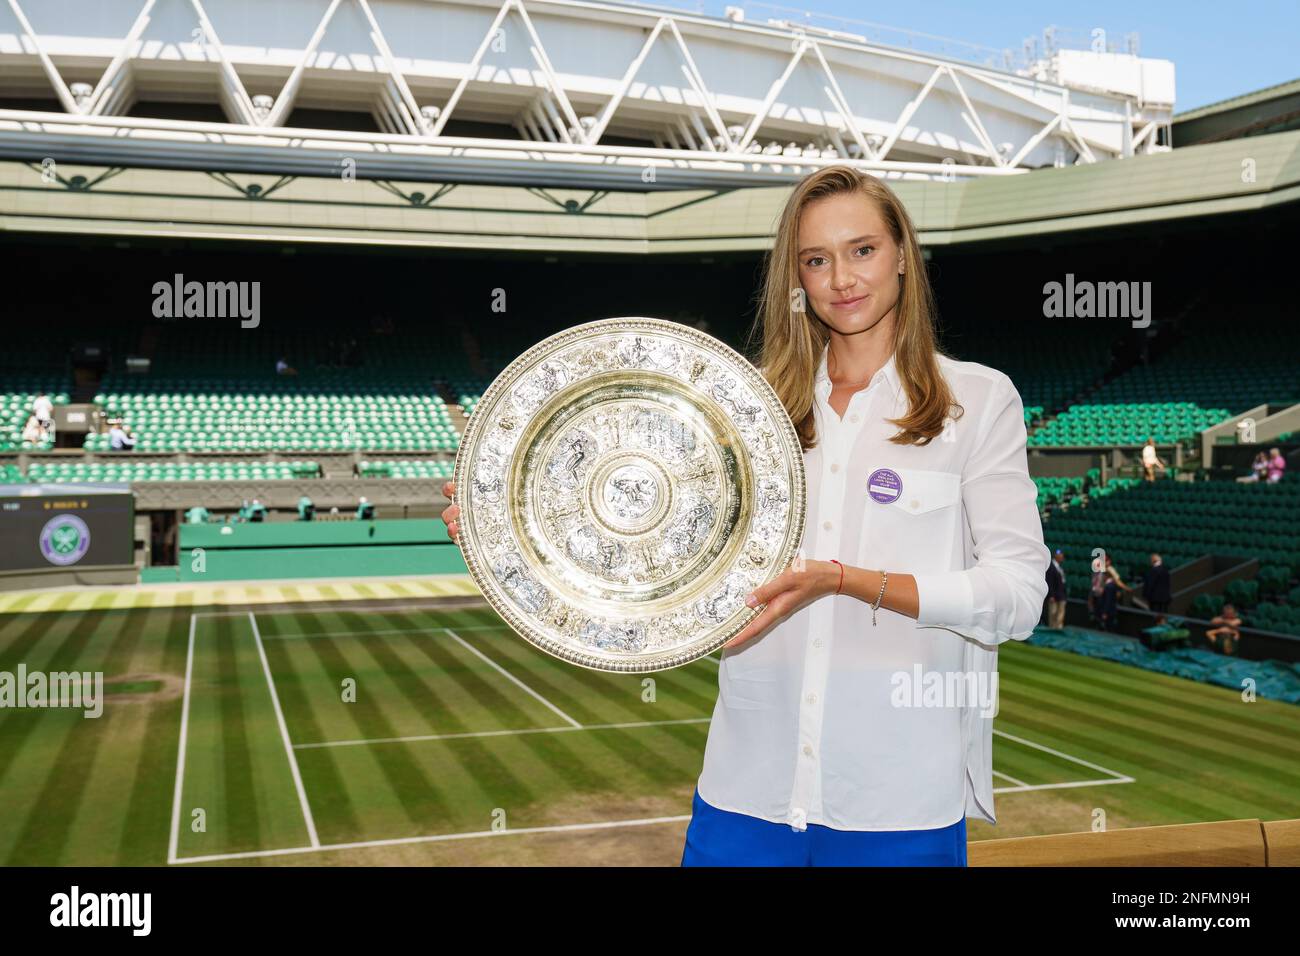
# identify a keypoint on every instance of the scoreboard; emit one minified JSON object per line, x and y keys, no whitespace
{"x":65,"y":526}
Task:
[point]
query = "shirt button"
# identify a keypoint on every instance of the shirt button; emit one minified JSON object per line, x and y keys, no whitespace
{"x":812,"y":698}
{"x":817,"y":642}
{"x":915,"y":504}
{"x":854,"y":418}
{"x":834,"y":468}
{"x":826,"y":525}
{"x":807,"y":750}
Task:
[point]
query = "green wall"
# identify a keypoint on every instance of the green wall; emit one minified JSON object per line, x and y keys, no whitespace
{"x":317,"y":549}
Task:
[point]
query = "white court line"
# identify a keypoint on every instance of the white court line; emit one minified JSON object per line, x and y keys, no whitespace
{"x":502,"y":733}
{"x":1064,"y":786}
{"x":1121,"y":778}
{"x":180,"y":756}
{"x":284,"y":735}
{"x":1007,"y":776}
{"x":438,"y":838}
{"x":470,"y":647}
{"x":314,"y":606}
{"x":387,"y":630}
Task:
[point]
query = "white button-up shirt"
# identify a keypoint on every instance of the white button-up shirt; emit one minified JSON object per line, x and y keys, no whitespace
{"x":826,"y":719}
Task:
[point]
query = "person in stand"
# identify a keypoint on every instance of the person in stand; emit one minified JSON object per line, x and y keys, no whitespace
{"x":1258,"y":468}
{"x":33,"y":433}
{"x":1056,"y":591}
{"x":1096,"y":588}
{"x":1108,"y":606}
{"x":1276,"y":465}
{"x":1226,"y":628}
{"x":119,"y":437}
{"x":1151,"y":460}
{"x":43,"y":409}
{"x":810,"y":760}
{"x":1156,"y":585}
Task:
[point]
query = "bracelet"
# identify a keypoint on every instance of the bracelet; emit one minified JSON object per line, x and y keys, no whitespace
{"x":841,"y":587}
{"x":884,"y":577}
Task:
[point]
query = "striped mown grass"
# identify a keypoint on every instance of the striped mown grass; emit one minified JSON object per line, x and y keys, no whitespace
{"x":404,"y":723}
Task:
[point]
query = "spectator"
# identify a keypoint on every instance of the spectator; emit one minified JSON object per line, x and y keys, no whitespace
{"x":1150,"y":460}
{"x":1276,"y":465}
{"x":1095,"y":590}
{"x":282,"y":367}
{"x":1226,"y":626}
{"x":1156,"y":586}
{"x":1056,"y":591}
{"x":119,"y":438}
{"x":1258,"y":468}
{"x":1112,"y":584}
{"x":32,"y":431}
{"x":43,"y":409}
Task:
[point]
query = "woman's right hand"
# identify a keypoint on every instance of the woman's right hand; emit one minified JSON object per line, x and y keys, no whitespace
{"x":451,"y":513}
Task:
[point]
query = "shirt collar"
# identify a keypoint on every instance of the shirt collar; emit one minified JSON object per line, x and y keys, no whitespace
{"x":889,"y":370}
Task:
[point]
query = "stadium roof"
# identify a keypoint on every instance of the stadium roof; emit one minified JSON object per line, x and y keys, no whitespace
{"x":1233,"y":176}
{"x":1273,"y":109}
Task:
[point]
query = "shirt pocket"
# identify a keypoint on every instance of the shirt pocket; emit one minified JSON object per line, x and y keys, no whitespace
{"x":915,"y":532}
{"x":753,"y":688}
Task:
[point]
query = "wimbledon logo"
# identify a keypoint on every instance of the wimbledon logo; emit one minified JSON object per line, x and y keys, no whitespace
{"x":65,"y":539}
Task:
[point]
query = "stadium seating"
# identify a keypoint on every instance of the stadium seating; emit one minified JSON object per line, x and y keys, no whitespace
{"x":20,"y":391}
{"x":420,"y":468}
{"x":1210,"y":370}
{"x":277,"y":416}
{"x":132,"y":471}
{"x":1127,"y":424}
{"x":1062,"y":490}
{"x":1180,"y":521}
{"x":469,"y":399}
{"x":1048,"y":363}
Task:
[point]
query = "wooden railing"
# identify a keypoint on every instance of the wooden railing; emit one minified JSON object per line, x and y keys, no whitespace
{"x":1225,"y":843}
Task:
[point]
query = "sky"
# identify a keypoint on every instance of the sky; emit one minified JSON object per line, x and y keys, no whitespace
{"x":1219,"y":49}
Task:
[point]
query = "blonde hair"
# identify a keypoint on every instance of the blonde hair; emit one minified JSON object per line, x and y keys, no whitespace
{"x":793,"y":338}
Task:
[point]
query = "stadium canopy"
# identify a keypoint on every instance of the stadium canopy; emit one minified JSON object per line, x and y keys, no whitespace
{"x":1199,"y":181}
{"x":1274,"y":109}
{"x":555,"y":92}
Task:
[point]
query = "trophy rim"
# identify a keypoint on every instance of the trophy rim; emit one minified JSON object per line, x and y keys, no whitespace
{"x":486,"y":581}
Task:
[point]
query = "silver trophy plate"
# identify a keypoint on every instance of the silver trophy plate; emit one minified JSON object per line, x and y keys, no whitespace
{"x":624,"y":485}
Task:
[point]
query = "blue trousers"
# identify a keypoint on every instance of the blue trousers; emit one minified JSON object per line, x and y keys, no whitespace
{"x":723,"y":838}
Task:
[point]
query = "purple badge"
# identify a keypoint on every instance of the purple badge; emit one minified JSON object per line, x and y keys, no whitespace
{"x":884,"y":485}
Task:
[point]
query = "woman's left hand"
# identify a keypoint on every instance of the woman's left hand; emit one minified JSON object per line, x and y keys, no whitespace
{"x":789,"y":591}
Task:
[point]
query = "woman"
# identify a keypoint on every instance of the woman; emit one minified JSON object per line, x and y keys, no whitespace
{"x":1276,"y":465}
{"x":1226,"y":624}
{"x":828,"y":744}
{"x":1151,"y":460}
{"x":1109,"y":604}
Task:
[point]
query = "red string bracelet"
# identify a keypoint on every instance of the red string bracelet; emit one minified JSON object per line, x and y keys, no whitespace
{"x":841,"y":587}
